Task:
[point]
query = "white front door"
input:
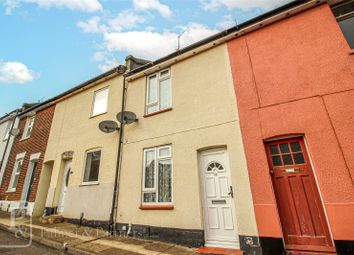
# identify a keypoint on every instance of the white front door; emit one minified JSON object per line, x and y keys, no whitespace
{"x":219,"y":211}
{"x":64,"y":186}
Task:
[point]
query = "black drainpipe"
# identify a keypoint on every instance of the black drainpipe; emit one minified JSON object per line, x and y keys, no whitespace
{"x":8,"y":141}
{"x":113,"y":216}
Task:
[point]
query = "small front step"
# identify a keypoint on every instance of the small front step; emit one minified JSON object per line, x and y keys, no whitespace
{"x":219,"y":251}
{"x":52,"y":219}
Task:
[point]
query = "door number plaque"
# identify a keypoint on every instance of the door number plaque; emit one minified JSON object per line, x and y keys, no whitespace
{"x":291,"y":170}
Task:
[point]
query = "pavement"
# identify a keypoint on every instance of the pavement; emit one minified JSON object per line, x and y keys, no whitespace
{"x":66,"y":238}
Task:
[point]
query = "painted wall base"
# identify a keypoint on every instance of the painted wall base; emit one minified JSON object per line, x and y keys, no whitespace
{"x":250,"y":245}
{"x":9,"y":206}
{"x":271,"y":246}
{"x":101,"y":224}
{"x":50,"y":210}
{"x":344,"y":246}
{"x":186,"y":237}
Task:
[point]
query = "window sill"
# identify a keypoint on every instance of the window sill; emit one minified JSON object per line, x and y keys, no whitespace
{"x":99,"y":114}
{"x":88,"y":183}
{"x":351,"y":52}
{"x":11,"y":191}
{"x":156,"y":207}
{"x":25,"y":138}
{"x":158,"y":112}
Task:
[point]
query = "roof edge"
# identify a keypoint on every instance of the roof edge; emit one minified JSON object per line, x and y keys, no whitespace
{"x":248,"y":23}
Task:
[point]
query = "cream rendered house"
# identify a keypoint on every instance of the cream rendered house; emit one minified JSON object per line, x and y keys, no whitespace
{"x":82,"y":159}
{"x":184,"y":176}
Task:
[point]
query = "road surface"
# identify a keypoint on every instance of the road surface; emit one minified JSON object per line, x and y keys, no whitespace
{"x":9,"y":239}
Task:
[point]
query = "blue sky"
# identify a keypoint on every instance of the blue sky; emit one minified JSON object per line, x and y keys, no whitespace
{"x":50,"y":46}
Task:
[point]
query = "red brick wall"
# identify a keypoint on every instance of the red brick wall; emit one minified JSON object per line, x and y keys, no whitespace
{"x":37,"y":142}
{"x":297,"y":77}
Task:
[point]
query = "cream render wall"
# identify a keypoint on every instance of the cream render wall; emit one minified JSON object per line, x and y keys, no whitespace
{"x":74,"y":130}
{"x":204,"y":115}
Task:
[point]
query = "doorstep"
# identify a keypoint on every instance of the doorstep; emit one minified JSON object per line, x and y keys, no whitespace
{"x":218,"y":251}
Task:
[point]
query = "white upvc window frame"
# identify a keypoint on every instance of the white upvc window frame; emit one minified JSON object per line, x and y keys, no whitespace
{"x":159,"y":78}
{"x":16,"y":171}
{"x":92,"y":113}
{"x":28,"y":127}
{"x":155,"y":189}
{"x":7,"y":130}
{"x":86,"y":183}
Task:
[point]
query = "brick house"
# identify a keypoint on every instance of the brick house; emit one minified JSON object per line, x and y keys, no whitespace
{"x":24,"y":184}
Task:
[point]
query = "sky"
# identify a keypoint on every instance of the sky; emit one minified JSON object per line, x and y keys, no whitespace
{"x":50,"y":46}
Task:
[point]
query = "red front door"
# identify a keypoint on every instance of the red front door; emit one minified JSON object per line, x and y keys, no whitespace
{"x":299,"y":204}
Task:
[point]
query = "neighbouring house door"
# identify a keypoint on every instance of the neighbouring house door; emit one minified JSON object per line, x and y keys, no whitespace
{"x":27,"y":188}
{"x":219,"y":211}
{"x":299,"y":203}
{"x":64,"y":186}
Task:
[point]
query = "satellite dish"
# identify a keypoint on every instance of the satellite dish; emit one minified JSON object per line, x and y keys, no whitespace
{"x":15,"y":131}
{"x":128,"y":117}
{"x":108,"y":126}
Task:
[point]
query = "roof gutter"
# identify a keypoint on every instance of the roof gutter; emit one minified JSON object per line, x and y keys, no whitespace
{"x":83,"y":86}
{"x":263,"y":20}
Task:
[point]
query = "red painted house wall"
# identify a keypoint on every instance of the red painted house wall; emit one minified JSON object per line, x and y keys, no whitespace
{"x":37,"y":142}
{"x":296,"y":76}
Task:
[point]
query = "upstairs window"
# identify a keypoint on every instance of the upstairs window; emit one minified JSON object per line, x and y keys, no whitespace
{"x":92,"y":166}
{"x":158,"y":92}
{"x":28,"y":127}
{"x":7,"y":130}
{"x":157,"y":176}
{"x":345,"y":16}
{"x":100,"y":100}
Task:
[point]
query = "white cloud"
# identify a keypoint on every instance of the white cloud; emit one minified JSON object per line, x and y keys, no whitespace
{"x":92,"y":25}
{"x":106,"y":60}
{"x":108,"y":64}
{"x":227,"y":22}
{"x":152,"y":45}
{"x":125,"y":19}
{"x":143,"y":5}
{"x":99,"y":56}
{"x":212,"y":5}
{"x":80,"y":5}
{"x":15,"y":72}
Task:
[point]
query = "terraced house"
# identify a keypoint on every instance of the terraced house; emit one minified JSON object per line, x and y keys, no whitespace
{"x":243,"y":140}
{"x":183,"y":175}
{"x":25,"y":182}
{"x":174,"y":164}
{"x":8,"y":131}
{"x":294,"y":82}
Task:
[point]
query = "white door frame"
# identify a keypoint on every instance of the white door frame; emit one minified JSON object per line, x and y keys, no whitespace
{"x":220,"y":242}
{"x":30,"y":169}
{"x":66,"y":172}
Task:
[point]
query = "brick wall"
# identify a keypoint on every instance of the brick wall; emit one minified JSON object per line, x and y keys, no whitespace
{"x":36,"y":143}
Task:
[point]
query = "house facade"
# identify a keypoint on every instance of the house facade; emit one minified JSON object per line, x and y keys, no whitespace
{"x":24,"y":183}
{"x":184,"y":176}
{"x":7,"y":122}
{"x":81,"y":157}
{"x":8,"y":125}
{"x":294,"y":82}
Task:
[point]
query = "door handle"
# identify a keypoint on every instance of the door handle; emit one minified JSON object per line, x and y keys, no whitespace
{"x":231,"y":193}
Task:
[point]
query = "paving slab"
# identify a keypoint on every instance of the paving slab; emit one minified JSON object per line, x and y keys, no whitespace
{"x":91,"y":241}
